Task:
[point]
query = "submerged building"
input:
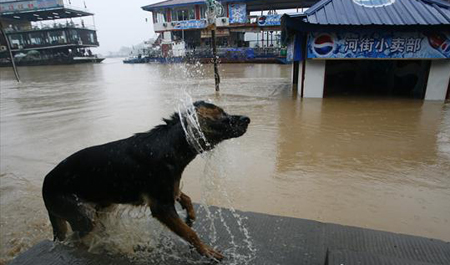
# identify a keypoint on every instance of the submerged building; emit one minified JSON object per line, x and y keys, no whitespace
{"x":47,"y":32}
{"x":398,"y":48}
{"x":246,"y":30}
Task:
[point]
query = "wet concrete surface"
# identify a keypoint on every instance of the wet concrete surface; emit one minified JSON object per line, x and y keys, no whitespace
{"x":277,"y":240}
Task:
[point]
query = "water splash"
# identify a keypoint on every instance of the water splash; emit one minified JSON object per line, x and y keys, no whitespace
{"x":191,"y":126}
{"x":240,"y":247}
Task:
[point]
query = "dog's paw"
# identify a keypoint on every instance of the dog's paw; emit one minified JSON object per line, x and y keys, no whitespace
{"x":209,"y":252}
{"x":189,"y":221}
{"x":191,"y":214}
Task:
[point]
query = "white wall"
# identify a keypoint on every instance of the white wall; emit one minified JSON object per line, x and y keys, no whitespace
{"x":167,"y":36}
{"x":300,"y":76}
{"x":178,"y":49}
{"x":314,"y":79}
{"x":438,"y":80}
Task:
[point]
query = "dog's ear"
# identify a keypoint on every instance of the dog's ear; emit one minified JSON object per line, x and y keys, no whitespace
{"x":199,"y":103}
{"x":174,"y":119}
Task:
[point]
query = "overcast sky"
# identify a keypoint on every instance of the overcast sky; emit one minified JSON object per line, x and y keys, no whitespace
{"x":120,"y":23}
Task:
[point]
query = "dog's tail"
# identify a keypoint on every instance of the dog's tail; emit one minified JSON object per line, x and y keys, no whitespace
{"x":59,"y":227}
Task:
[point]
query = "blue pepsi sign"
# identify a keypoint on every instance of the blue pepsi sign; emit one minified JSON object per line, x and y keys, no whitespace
{"x":323,"y":45}
{"x":269,"y":20}
{"x":190,"y":24}
{"x":395,"y":45}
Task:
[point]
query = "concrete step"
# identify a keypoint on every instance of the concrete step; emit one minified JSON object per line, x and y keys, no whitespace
{"x":276,"y":240}
{"x":348,"y":257}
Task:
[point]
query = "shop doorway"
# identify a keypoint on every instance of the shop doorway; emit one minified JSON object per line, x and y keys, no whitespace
{"x":389,"y":78}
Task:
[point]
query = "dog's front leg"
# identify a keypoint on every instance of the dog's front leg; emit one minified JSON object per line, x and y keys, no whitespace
{"x":186,"y":203}
{"x":167,"y":215}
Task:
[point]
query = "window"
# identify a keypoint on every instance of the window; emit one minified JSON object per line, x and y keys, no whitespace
{"x":160,"y":16}
{"x":202,"y":12}
{"x":191,"y":14}
{"x":16,"y":40}
{"x":185,"y":14}
{"x":57,"y":37}
{"x":74,"y":36}
{"x":91,"y":37}
{"x":36,"y":38}
{"x":181,"y":14}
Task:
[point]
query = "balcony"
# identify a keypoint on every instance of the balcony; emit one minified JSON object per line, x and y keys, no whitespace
{"x":56,"y":36}
{"x":272,"y":22}
{"x":34,"y":10}
{"x":47,"y":27}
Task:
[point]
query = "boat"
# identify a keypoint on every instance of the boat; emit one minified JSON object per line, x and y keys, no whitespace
{"x":47,"y":32}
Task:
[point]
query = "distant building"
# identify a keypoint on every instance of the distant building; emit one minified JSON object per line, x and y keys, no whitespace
{"x":395,"y":48}
{"x":47,"y":32}
{"x":243,"y":24}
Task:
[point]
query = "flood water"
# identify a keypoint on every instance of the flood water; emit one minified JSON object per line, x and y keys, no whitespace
{"x":378,"y":163}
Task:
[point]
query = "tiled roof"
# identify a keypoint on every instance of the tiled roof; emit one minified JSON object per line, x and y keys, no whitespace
{"x":377,"y":12}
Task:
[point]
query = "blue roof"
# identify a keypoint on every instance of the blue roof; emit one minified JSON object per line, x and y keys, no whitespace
{"x":378,"y":12}
{"x":172,"y":3}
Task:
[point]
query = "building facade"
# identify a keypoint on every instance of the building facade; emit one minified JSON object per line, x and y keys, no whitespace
{"x":395,"y":48}
{"x":242,"y":24}
{"x":47,"y":32}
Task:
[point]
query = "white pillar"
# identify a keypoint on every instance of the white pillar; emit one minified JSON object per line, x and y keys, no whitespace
{"x":300,"y":75}
{"x":438,"y":80}
{"x":314,"y":79}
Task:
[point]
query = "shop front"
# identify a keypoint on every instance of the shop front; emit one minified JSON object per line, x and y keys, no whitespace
{"x":375,"y":50}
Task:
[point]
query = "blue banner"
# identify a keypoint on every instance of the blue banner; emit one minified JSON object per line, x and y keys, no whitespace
{"x":294,"y":49}
{"x":269,"y":20}
{"x":238,"y":13}
{"x":190,"y":24}
{"x":396,"y":45}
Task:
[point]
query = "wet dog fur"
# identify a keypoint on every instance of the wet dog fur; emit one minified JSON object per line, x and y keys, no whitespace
{"x":143,"y":169}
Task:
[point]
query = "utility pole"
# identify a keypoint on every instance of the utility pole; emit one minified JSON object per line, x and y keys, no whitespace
{"x":215,"y":59}
{"x":214,"y":9}
{"x":10,"y":52}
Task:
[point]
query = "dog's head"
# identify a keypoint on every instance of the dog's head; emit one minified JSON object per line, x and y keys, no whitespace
{"x":217,"y":125}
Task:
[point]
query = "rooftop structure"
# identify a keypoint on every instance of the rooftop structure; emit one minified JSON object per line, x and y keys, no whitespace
{"x":399,"y":13}
{"x":47,"y":32}
{"x":252,"y":5}
{"x":40,"y":10}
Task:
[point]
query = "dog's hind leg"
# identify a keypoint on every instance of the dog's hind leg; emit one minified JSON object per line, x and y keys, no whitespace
{"x":186,"y":203}
{"x":59,"y":226}
{"x":71,"y":209}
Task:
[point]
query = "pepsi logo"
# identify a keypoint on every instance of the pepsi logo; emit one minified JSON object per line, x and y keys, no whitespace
{"x":262,"y":20}
{"x":323,"y":45}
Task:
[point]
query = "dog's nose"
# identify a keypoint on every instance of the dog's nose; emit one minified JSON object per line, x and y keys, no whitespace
{"x":244,"y":119}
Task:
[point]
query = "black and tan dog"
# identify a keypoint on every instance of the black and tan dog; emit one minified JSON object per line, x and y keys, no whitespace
{"x":143,"y":169}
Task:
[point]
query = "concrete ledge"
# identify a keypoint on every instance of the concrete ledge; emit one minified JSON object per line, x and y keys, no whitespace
{"x":278,"y":240}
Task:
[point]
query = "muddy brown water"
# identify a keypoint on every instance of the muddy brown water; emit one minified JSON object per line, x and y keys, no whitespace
{"x":378,"y":163}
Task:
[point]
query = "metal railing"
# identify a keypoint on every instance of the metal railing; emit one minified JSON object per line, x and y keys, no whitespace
{"x":17,"y":29}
